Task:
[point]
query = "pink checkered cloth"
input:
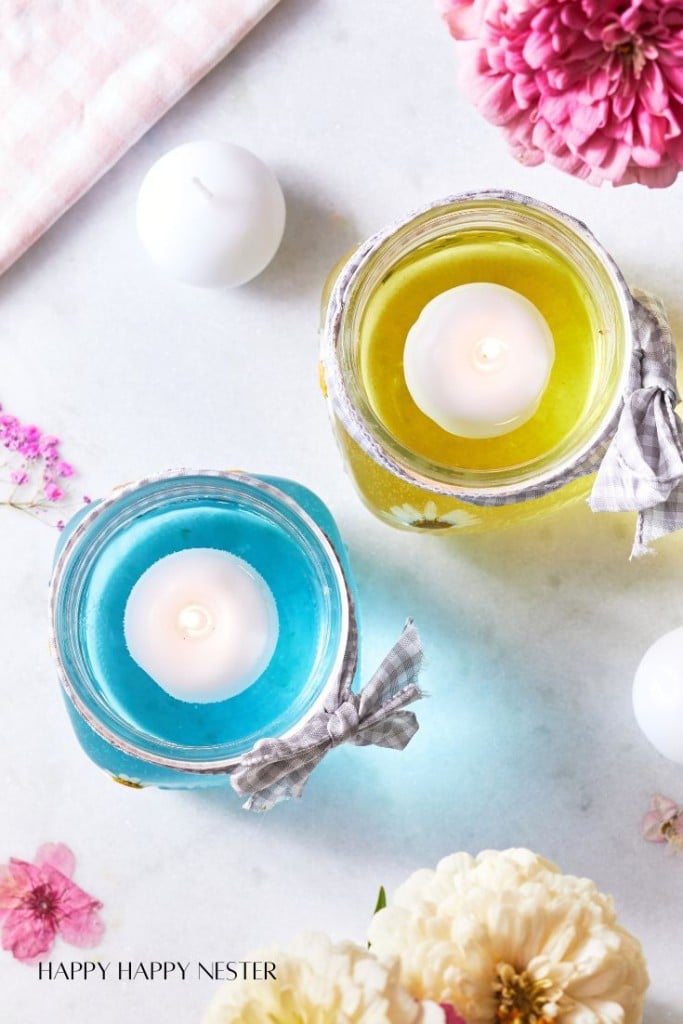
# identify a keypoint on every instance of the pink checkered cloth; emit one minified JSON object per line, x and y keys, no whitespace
{"x":82,"y":80}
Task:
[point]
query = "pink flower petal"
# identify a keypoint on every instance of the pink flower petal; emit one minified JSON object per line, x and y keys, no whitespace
{"x":538,"y":49}
{"x":56,"y":855}
{"x":463,"y":17}
{"x":27,"y":937}
{"x":81,"y":924}
{"x":664,"y":806}
{"x":652,"y":828}
{"x":15,"y":883}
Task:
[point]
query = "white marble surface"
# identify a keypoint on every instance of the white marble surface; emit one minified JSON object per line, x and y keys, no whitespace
{"x":533,"y":635}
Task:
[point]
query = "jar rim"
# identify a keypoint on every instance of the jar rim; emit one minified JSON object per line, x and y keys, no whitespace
{"x":345,"y":652}
{"x":365,"y":426}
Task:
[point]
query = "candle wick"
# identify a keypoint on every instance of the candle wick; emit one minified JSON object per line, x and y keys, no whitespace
{"x":202,"y":187}
{"x":488,"y":352}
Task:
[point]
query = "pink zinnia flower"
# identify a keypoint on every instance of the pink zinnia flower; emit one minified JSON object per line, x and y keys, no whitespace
{"x":594,"y":87}
{"x":38,"y":901}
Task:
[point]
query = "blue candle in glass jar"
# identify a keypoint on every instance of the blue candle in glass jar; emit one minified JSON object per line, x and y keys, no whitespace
{"x":275,"y":534}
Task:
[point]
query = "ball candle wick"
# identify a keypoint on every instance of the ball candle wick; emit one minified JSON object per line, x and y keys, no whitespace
{"x":199,"y":184}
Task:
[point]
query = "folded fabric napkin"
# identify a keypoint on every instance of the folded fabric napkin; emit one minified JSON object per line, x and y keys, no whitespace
{"x":82,"y":80}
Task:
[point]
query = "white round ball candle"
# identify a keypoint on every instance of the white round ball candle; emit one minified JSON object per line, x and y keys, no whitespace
{"x":211,"y":213}
{"x":202,"y":623}
{"x":658,"y":695}
{"x":478,"y":359}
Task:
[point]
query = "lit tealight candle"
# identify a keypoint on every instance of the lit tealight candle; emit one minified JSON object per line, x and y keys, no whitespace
{"x":478,"y":359}
{"x":658,"y":695}
{"x":211,"y":213}
{"x":202,"y":623}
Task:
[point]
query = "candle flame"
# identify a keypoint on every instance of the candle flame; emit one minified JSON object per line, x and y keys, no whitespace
{"x":195,"y":622}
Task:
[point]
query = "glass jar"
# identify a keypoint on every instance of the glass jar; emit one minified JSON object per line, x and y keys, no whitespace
{"x":127,"y":724}
{"x":410,"y":472}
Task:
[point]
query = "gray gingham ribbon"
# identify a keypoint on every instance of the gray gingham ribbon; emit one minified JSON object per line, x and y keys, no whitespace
{"x":277,"y":769}
{"x":642,"y":469}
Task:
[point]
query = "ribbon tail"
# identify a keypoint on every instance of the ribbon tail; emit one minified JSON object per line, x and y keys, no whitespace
{"x":399,"y":669}
{"x":267,"y":798}
{"x":383,"y":722}
{"x":643,"y":467}
{"x":658,"y":521}
{"x":393,"y":732}
{"x":267,"y":778}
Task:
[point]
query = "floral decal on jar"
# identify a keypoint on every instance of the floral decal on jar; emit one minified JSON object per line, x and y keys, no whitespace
{"x":429,"y":517}
{"x":127,"y":780}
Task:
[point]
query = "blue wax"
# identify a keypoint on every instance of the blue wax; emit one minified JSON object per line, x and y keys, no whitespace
{"x":302,"y":597}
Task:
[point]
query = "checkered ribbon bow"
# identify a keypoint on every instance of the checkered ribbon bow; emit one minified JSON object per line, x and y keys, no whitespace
{"x":277,"y":769}
{"x":642,"y":470}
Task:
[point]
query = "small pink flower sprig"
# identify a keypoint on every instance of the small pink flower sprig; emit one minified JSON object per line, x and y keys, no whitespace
{"x":663,"y":823}
{"x":37,"y":474}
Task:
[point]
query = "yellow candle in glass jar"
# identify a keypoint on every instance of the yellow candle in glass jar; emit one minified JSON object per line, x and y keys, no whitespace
{"x":422,"y":469}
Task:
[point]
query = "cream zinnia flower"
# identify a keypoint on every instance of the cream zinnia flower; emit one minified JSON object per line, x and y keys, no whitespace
{"x":505,"y":937}
{"x":318,"y":982}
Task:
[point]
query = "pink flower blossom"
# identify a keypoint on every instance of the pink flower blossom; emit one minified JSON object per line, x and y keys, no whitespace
{"x":53,"y":492}
{"x":663,"y":823}
{"x":48,"y":443}
{"x":31,"y":433}
{"x":594,"y":87}
{"x":29,"y":449}
{"x":39,"y":901}
{"x":7,"y":424}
